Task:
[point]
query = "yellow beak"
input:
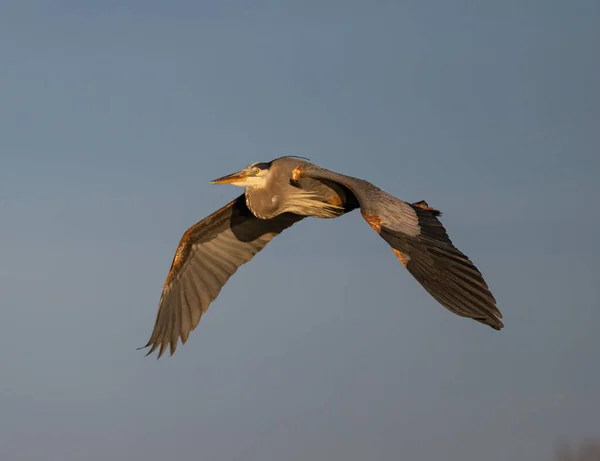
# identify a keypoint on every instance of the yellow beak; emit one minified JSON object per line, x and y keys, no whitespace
{"x":234,"y":177}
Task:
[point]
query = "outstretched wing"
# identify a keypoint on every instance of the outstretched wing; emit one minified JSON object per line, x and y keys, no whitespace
{"x":421,"y":243}
{"x":208,"y":254}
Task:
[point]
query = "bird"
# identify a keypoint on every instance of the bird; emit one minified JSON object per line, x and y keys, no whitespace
{"x":279,"y":194}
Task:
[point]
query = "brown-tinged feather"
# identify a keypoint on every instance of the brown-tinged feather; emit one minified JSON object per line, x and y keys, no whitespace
{"x":208,"y":254}
{"x":373,"y":221}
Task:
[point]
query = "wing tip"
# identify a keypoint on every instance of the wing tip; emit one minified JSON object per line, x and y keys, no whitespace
{"x":491,"y":322}
{"x":163,"y":348}
{"x":153,"y":346}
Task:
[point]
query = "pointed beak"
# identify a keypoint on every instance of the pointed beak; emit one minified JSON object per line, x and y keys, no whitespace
{"x":240,"y":176}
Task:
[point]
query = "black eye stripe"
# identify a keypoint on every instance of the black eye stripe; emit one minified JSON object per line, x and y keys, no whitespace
{"x":262,"y":165}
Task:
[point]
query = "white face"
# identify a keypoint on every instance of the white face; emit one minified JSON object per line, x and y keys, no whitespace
{"x":250,"y":181}
{"x":257,"y":177}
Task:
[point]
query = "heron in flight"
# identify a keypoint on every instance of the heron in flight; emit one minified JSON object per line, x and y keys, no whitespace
{"x":284,"y":191}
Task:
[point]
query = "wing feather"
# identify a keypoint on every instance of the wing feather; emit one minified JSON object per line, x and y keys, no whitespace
{"x":421,"y":243}
{"x":209,"y":253}
{"x":186,"y":316}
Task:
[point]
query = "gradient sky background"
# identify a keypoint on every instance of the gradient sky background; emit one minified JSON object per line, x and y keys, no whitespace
{"x":114,"y":117}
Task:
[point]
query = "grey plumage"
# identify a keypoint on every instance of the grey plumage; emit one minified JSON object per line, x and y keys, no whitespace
{"x":284,"y":191}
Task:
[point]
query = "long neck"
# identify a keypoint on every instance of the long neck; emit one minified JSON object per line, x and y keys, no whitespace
{"x":261,"y":202}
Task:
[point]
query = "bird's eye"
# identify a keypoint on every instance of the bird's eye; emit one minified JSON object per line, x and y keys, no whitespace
{"x":255,"y":171}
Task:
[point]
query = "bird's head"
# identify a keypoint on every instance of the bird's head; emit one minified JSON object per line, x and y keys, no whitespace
{"x":254,"y":175}
{"x":258,"y":174}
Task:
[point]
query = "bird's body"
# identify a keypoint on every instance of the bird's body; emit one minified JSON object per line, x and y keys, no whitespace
{"x":284,"y":191}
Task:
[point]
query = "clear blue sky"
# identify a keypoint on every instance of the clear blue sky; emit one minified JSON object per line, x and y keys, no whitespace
{"x":114,"y":117}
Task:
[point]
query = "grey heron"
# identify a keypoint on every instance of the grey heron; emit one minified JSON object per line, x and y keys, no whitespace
{"x":284,"y":191}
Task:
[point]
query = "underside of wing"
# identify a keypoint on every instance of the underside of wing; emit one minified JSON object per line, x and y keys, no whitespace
{"x":444,"y":271}
{"x":421,"y":243}
{"x":208,"y":254}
